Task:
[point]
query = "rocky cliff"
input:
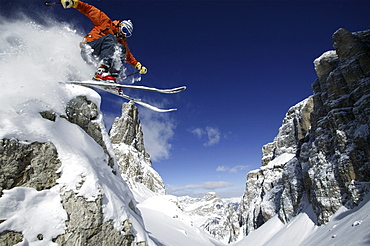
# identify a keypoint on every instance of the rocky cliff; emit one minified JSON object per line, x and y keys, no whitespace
{"x":67,"y":190}
{"x":321,"y":155}
{"x":128,"y":143}
{"x":277,"y":187}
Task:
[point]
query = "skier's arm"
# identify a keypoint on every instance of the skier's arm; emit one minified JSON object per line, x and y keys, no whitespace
{"x":98,"y":17}
{"x":130,"y":59}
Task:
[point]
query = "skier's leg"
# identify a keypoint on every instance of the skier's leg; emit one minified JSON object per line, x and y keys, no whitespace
{"x":98,"y":51}
{"x":104,"y":48}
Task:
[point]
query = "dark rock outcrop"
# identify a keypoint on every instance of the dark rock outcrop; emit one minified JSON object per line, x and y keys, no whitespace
{"x":86,"y":227}
{"x":28,"y":165}
{"x":37,"y":166}
{"x":83,"y":112}
{"x":321,"y":155}
{"x":128,"y":143}
{"x":338,"y":148}
{"x":277,"y":187}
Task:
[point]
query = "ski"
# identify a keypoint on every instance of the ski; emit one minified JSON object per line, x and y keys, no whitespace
{"x":135,"y":87}
{"x":111,"y":90}
{"x":146,"y":105}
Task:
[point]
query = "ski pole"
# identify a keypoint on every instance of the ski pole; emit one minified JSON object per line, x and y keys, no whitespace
{"x":52,"y":3}
{"x":131,"y":74}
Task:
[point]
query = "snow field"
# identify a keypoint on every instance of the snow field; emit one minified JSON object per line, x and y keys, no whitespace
{"x":32,"y":65}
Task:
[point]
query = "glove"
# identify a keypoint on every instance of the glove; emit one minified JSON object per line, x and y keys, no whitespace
{"x":69,"y":3}
{"x":141,"y":68}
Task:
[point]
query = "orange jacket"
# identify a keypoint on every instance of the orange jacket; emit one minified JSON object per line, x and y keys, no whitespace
{"x":103,"y":25}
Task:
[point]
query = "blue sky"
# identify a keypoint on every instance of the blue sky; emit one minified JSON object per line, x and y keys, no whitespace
{"x":245,"y":63}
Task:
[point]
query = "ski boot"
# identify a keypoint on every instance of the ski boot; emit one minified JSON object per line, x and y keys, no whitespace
{"x":102,"y":74}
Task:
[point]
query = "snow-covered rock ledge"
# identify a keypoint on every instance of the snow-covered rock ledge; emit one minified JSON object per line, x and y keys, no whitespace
{"x":320,"y":159}
{"x":60,"y":183}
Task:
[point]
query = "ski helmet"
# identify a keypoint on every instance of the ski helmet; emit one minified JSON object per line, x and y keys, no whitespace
{"x":126,"y":27}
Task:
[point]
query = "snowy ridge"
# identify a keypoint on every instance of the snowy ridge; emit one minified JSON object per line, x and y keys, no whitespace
{"x":84,"y":168}
{"x":140,"y":190}
{"x":216,"y":216}
{"x":169,"y":225}
{"x":45,"y":54}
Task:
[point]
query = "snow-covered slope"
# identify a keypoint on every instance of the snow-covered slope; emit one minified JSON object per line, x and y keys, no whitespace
{"x":346,"y":227}
{"x":88,"y":202}
{"x":33,"y":59}
{"x":167,"y":224}
{"x":216,"y":216}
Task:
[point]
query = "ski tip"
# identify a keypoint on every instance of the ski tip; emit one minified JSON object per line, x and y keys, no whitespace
{"x":177,"y":90}
{"x":159,"y":110}
{"x":172,"y":109}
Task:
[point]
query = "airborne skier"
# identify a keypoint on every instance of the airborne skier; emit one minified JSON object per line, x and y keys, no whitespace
{"x":105,"y":41}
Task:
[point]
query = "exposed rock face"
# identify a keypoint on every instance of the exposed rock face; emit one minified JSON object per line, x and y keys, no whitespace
{"x":336,"y":159}
{"x":83,"y":112}
{"x":127,"y":129}
{"x":128,"y":143}
{"x":294,"y":129}
{"x":277,"y":187}
{"x":10,"y":238}
{"x":36,"y":165}
{"x":28,"y":165}
{"x":86,"y":227}
{"x":321,"y":154}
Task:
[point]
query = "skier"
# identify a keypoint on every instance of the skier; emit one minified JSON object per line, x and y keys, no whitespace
{"x":105,"y":41}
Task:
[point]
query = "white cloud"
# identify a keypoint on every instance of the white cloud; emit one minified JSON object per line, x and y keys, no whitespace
{"x":199,"y":190}
{"x":222,"y":169}
{"x":158,"y":130}
{"x":212,"y":185}
{"x":234,"y":169}
{"x":213,"y":135}
{"x":198,"y":132}
{"x":237,"y":192}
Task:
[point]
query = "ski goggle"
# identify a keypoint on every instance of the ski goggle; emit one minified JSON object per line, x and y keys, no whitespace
{"x":124,"y":30}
